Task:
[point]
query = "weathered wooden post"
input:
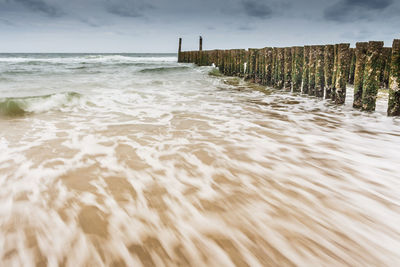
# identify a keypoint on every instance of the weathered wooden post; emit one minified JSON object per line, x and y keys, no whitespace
{"x":371,"y":75}
{"x":287,"y":77}
{"x":352,"y":65}
{"x":387,"y":57}
{"x":394,"y":81}
{"x":312,"y":65}
{"x":335,"y":67}
{"x":319,"y":71}
{"x":342,"y":72}
{"x":268,"y":66}
{"x":329,"y":58}
{"x":256,"y":66}
{"x":306,"y":70}
{"x":180,"y":50}
{"x":252,"y":64}
{"x":274,"y":75}
{"x":280,"y":67}
{"x":361,"y":54}
{"x":262,"y":65}
{"x":297,"y":68}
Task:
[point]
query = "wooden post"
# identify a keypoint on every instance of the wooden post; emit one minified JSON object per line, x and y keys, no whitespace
{"x":342,"y":72}
{"x":329,"y":58}
{"x":274,"y":67}
{"x":280,"y":67}
{"x":306,"y":70}
{"x":335,"y":67}
{"x":371,"y":75}
{"x":311,"y":77}
{"x":297,"y":68}
{"x":387,"y":57}
{"x":287,"y":77}
{"x":361,"y":54}
{"x":200,"y":43}
{"x":319,"y":71}
{"x":352,"y":66}
{"x":268,"y":66}
{"x":394,"y":81}
{"x":180,"y":50}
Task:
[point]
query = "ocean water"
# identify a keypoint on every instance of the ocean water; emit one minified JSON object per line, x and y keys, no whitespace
{"x":134,"y":159}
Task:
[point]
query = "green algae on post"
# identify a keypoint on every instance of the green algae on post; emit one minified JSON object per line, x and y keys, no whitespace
{"x":328,"y":69}
{"x":306,"y":70}
{"x":280,"y":67}
{"x":361,"y":54}
{"x":287,"y":77}
{"x":371,"y":75}
{"x":268,"y":66}
{"x":297,"y":68}
{"x":335,"y":62}
{"x":319,"y":71}
{"x":387,"y":58}
{"x":311,"y":76}
{"x":343,"y":61}
{"x":352,"y":65}
{"x":394,"y":81}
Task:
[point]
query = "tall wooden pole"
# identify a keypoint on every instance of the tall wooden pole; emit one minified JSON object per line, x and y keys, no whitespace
{"x":361,"y":55}
{"x":201,"y":44}
{"x":180,"y":50}
{"x":372,"y":71}
{"x":394,"y":84}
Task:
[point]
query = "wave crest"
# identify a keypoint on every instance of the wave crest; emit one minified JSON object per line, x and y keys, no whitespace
{"x":20,"y":106}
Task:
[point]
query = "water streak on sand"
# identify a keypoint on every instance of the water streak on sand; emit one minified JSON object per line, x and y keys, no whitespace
{"x":136,"y":159}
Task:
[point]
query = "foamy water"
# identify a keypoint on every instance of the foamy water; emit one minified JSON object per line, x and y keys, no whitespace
{"x":129,"y":160}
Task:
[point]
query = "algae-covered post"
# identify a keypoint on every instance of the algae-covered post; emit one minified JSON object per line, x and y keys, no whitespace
{"x":306,"y":70}
{"x":335,"y":66}
{"x":329,"y":58}
{"x":352,"y":65}
{"x":274,"y":66}
{"x":319,"y":71}
{"x":361,"y":54}
{"x":371,"y":75}
{"x":343,"y":61}
{"x":387,"y":57}
{"x":297,"y":68}
{"x":268,"y":66}
{"x":311,"y":77}
{"x":394,"y":81}
{"x":280,"y":67}
{"x":287,"y":77}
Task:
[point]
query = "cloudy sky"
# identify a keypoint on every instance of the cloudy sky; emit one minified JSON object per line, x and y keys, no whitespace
{"x":155,"y":25}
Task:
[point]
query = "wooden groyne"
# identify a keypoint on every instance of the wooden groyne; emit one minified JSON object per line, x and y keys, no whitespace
{"x":323,"y":71}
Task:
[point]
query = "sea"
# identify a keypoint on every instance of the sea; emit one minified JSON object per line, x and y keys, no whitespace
{"x":137,"y":160}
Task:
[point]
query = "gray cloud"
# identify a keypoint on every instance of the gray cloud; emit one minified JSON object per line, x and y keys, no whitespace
{"x":352,"y":10}
{"x":131,"y":9}
{"x":257,"y":9}
{"x":6,"y":22}
{"x":153,"y":25}
{"x":41,"y":6}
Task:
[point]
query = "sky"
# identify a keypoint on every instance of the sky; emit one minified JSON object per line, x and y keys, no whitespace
{"x":155,"y":25}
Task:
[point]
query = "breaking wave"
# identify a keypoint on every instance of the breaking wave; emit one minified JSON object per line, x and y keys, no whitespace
{"x":20,"y":106}
{"x":164,"y":69}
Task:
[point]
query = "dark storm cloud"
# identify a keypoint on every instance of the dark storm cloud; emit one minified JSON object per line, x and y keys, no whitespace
{"x":352,"y":10}
{"x":40,"y":6}
{"x":258,"y":9}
